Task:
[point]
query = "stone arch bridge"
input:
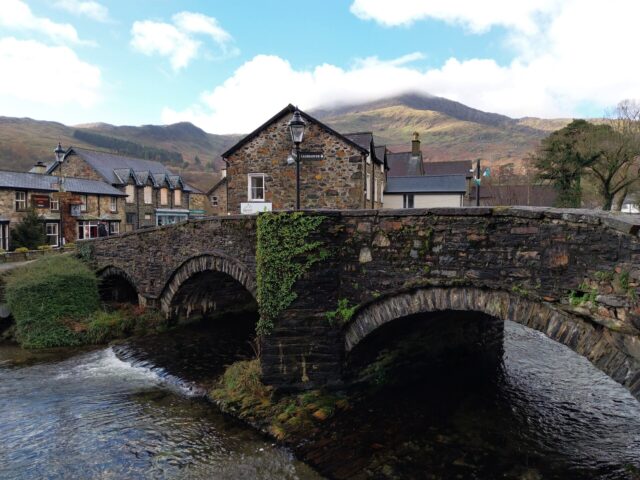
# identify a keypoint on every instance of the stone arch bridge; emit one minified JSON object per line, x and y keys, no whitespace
{"x":571,"y":274}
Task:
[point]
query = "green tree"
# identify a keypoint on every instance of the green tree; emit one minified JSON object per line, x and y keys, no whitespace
{"x":29,"y":232}
{"x":562,"y":160}
{"x":197,"y":161}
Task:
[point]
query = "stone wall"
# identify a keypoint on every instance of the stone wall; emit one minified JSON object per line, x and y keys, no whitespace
{"x":74,"y":166}
{"x":221,"y":193}
{"x":335,"y":182}
{"x":572,"y":274}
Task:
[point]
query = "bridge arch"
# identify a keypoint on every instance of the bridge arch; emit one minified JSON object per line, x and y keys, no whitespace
{"x":214,"y":266}
{"x":117,"y":285}
{"x":586,"y":338}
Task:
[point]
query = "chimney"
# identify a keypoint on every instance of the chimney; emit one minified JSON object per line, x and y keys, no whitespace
{"x":415,"y":144}
{"x":39,"y":167}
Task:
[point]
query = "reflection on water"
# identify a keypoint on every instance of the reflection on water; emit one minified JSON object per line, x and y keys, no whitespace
{"x":547,"y":414}
{"x":94,"y":416}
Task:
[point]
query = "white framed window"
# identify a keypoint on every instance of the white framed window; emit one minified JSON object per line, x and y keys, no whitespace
{"x":214,"y":201}
{"x":148,"y":195}
{"x":164,"y":196}
{"x":382,"y":167}
{"x":130,"y":190}
{"x":177,"y":197}
{"x":407,"y":200}
{"x":114,"y":228}
{"x":52,"y":234}
{"x":256,"y":187}
{"x":368,"y":188}
{"x":54,"y":203}
{"x":113,"y":204}
{"x":4,"y":236}
{"x":21,"y":200}
{"x":83,"y":205}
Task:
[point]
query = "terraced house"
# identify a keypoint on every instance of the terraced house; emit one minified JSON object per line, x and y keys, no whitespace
{"x":71,"y":210}
{"x":337,"y":171}
{"x":153,"y":194}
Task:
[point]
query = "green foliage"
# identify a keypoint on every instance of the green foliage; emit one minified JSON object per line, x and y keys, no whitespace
{"x":48,"y":298}
{"x":603,"y":276}
{"x":342,"y":314}
{"x":45,"y":247}
{"x":584,"y":294}
{"x":85,"y":252}
{"x":102,"y":327}
{"x":283,"y":255}
{"x":21,"y":250}
{"x":29,"y":233}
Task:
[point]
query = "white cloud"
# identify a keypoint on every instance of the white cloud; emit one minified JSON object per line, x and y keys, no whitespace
{"x":89,"y":8}
{"x":16,"y":15}
{"x":42,"y":75}
{"x":177,"y":40}
{"x":580,"y":55}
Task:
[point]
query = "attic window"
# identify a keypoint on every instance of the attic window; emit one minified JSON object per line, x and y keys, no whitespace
{"x":148,"y":193}
{"x":131,"y":193}
{"x":164,"y":196}
{"x":177,"y":197}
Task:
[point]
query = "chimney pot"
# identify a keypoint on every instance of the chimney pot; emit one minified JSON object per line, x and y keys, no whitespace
{"x":415,"y":144}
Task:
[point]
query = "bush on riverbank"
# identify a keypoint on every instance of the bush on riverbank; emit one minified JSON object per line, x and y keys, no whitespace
{"x":48,"y":298}
{"x":286,"y":417}
{"x":127,"y":320}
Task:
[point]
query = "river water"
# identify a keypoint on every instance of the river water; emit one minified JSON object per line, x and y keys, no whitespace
{"x":548,"y":414}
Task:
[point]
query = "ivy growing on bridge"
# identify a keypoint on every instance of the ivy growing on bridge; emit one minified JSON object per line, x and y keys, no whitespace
{"x":283,"y":255}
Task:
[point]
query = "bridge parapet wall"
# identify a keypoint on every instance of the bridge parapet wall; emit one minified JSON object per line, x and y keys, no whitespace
{"x":581,"y":263}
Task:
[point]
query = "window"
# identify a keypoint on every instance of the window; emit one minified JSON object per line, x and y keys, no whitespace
{"x":375,"y":191}
{"x":4,"y":235}
{"x":164,"y":196}
{"x":83,"y":205}
{"x":147,"y":216}
{"x":113,"y":204}
{"x":177,"y":197}
{"x":407,"y":201}
{"x":54,"y":203}
{"x":131,"y":193}
{"x":214,"y":201}
{"x":21,"y":200}
{"x":369,"y":158}
{"x":87,"y":229}
{"x":368,"y":186}
{"x":114,"y":228}
{"x":131,"y":218}
{"x":52,"y":234}
{"x":148,"y":193}
{"x":256,"y":187}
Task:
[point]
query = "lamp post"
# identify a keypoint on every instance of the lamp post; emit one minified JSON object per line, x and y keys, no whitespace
{"x":59,"y":152}
{"x":477,"y":179}
{"x":296,"y":127}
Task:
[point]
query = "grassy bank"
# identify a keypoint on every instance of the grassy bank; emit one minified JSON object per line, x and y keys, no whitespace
{"x":290,"y":418}
{"x":55,"y":303}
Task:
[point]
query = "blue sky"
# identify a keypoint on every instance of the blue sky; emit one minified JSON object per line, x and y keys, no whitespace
{"x":227,"y":66}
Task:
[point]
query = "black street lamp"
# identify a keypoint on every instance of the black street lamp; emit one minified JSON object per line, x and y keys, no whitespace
{"x":59,"y":152}
{"x":296,"y":126}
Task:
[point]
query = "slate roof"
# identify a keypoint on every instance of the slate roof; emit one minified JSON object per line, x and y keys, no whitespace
{"x":403,"y":164}
{"x":363,"y":139}
{"x":216,"y":185}
{"x":458,"y":167}
{"x":288,"y":110}
{"x":38,"y":181}
{"x":427,"y":184}
{"x":116,"y":168}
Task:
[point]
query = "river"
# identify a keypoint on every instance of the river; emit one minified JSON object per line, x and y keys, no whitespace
{"x":132,"y":412}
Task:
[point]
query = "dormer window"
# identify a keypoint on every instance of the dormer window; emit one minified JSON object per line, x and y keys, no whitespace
{"x":148,"y":195}
{"x":177,"y":197}
{"x":130,"y":190}
{"x":164,"y":196}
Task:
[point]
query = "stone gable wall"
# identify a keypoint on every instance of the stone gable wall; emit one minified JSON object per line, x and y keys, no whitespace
{"x":335,"y":182}
{"x":75,"y":166}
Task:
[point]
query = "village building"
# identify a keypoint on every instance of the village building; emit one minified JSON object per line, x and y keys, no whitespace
{"x":154,"y":195}
{"x":217,"y":196}
{"x":337,"y":171}
{"x":77,"y":206}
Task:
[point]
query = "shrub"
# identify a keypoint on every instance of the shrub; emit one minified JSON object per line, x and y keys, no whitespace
{"x":44,"y":247}
{"x":29,"y":232}
{"x":48,"y":298}
{"x":103,"y":326}
{"x":21,"y":250}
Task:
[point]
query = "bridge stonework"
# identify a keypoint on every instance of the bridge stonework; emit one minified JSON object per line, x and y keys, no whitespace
{"x":570,"y":274}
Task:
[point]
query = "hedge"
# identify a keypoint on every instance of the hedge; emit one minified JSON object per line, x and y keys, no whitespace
{"x":48,"y":298}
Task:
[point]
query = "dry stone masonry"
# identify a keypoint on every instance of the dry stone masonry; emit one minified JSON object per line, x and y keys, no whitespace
{"x":570,"y":274}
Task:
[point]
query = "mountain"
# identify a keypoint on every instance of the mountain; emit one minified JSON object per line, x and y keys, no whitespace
{"x":449,"y":130}
{"x":24,"y":141}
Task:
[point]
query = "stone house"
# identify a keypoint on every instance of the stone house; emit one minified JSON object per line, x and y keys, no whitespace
{"x":154,"y":195}
{"x":217,"y":196}
{"x":334,"y":169}
{"x":75,"y":212}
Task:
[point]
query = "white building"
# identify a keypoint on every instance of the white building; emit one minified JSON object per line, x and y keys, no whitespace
{"x":425,"y":191}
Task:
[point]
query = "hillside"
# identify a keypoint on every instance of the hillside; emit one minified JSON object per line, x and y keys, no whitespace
{"x":449,"y":131}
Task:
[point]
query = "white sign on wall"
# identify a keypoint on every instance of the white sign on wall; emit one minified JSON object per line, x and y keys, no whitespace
{"x":252,"y":208}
